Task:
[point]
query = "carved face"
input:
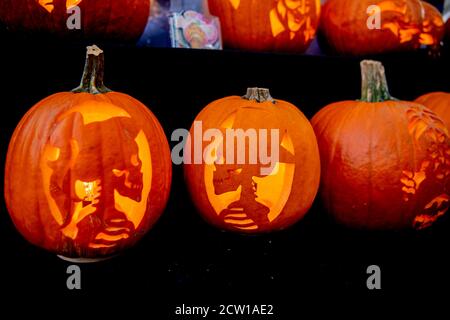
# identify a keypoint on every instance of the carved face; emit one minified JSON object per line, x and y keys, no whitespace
{"x":97,"y":181}
{"x":294,"y":16}
{"x":274,"y":25}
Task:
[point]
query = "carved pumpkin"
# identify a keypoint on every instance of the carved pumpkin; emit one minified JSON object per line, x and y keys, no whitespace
{"x":239,"y":195}
{"x":267,"y":25}
{"x":385,"y":162}
{"x":123,"y":20}
{"x":87,"y":172}
{"x":404,"y":24}
{"x":439,"y":102}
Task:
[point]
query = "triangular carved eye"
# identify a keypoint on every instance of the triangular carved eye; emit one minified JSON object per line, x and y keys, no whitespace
{"x":235,"y":3}
{"x":49,"y":6}
{"x":72,"y":3}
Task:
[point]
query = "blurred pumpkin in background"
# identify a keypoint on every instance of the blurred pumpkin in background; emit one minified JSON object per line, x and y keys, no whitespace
{"x":118,"y":20}
{"x":348,"y":27}
{"x":87,"y":172}
{"x":267,"y":25}
{"x":439,"y":102}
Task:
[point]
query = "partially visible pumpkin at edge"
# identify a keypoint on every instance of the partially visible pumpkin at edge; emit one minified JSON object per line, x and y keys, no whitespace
{"x":118,"y":20}
{"x":439,"y":102}
{"x":385,"y":162}
{"x":348,"y":27}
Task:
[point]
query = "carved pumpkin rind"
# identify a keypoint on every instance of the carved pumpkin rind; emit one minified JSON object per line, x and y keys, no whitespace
{"x":77,"y":173}
{"x":405,"y":25}
{"x":438,"y":102}
{"x":301,"y":172}
{"x":123,"y":20}
{"x":385,"y":165}
{"x":267,"y":25}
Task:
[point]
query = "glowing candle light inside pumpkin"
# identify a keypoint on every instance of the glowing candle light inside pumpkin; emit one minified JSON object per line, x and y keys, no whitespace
{"x":49,"y":5}
{"x":92,"y":158}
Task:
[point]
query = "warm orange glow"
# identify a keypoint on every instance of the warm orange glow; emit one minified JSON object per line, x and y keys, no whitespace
{"x":96,"y":111}
{"x":135,"y":210}
{"x":49,"y":5}
{"x":235,"y":3}
{"x":272,"y":191}
{"x":393,"y":6}
{"x":434,"y":169}
{"x":412,"y":180}
{"x":440,"y":203}
{"x":108,"y":237}
{"x":89,"y":197}
{"x":72,"y":3}
{"x":51,"y":154}
{"x":406,"y":30}
{"x":275,"y":189}
{"x":293,"y":16}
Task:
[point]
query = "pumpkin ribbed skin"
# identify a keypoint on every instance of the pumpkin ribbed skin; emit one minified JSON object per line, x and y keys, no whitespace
{"x":299,"y":157}
{"x":344,"y":26}
{"x":24,"y":192}
{"x":439,"y":102}
{"x":123,"y":20}
{"x":247,"y":24}
{"x":87,"y":175}
{"x":385,"y":165}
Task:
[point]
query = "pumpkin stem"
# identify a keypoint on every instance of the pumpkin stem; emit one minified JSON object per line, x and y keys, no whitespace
{"x":374,"y":85}
{"x":92,"y":79}
{"x":258,"y":95}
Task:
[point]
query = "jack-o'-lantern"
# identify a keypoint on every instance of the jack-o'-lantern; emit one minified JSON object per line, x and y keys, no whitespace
{"x":123,"y":20}
{"x":439,"y":102}
{"x":87,"y":172}
{"x":349,"y":26}
{"x":385,"y":162}
{"x":267,"y":25}
{"x":261,"y":171}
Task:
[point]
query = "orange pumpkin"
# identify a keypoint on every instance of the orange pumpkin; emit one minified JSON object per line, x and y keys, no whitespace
{"x":87,"y":172}
{"x":100,"y":19}
{"x":267,"y":25}
{"x":385,"y":162}
{"x":439,"y":102}
{"x":239,"y":195}
{"x":404,"y":24}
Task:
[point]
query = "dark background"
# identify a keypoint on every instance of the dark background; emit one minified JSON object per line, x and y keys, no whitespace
{"x":184,"y":260}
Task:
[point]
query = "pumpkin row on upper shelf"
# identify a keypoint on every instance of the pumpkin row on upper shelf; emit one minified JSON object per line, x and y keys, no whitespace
{"x":350,"y":27}
{"x":88,"y":172}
